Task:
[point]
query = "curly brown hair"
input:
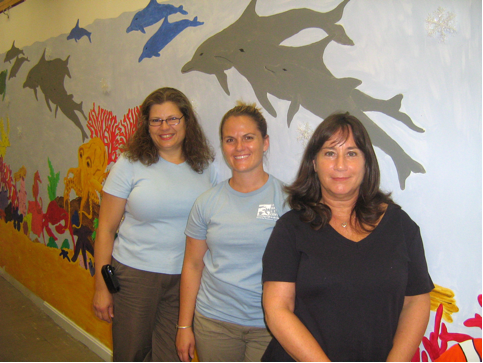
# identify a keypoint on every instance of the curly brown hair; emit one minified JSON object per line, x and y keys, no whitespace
{"x":305,"y":193}
{"x":196,"y":148}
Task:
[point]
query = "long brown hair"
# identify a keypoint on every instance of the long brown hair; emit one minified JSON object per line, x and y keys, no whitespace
{"x":305,"y":193}
{"x":196,"y":149}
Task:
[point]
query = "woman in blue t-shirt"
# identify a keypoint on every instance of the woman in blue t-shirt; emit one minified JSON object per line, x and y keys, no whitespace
{"x":227,"y":231}
{"x":151,"y":188}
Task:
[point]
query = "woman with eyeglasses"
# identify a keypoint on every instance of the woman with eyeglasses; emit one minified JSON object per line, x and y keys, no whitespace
{"x":151,"y":189}
{"x":227,"y":231}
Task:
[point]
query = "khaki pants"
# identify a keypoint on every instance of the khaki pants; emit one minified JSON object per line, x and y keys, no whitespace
{"x":219,"y":341}
{"x":145,"y":315}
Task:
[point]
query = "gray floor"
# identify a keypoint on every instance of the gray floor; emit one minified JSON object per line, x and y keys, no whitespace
{"x":28,"y":334}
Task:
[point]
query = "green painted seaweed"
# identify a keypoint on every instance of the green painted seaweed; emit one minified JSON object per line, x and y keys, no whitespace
{"x":53,"y":181}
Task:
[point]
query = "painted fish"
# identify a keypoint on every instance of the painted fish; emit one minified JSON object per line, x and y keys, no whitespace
{"x":76,"y":33}
{"x":165,"y":34}
{"x":152,"y":14}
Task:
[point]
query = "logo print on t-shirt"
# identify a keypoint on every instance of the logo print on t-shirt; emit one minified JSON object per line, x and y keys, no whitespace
{"x":267,"y":211}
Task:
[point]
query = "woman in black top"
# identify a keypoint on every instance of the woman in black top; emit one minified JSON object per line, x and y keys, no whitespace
{"x":345,"y":276}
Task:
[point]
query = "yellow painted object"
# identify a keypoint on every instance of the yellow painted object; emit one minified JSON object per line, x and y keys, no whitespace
{"x":443,"y":295}
{"x":65,"y":285}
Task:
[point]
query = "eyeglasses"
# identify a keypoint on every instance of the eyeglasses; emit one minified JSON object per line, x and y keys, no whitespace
{"x":171,"y":121}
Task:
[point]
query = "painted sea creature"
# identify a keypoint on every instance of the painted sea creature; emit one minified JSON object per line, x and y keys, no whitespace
{"x":87,"y":178}
{"x":77,"y":33}
{"x":20,"y":176}
{"x":4,"y":137}
{"x":83,"y":244}
{"x":49,"y":75}
{"x":166,"y":33}
{"x":298,"y":74}
{"x":3,"y":83}
{"x":16,"y":66}
{"x":57,"y":217}
{"x":35,"y":207}
{"x":13,"y":53}
{"x":213,"y":55}
{"x":152,"y":14}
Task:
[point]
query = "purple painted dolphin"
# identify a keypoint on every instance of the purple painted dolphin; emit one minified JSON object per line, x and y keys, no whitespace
{"x":166,"y":33}
{"x":76,"y":33}
{"x":152,"y":14}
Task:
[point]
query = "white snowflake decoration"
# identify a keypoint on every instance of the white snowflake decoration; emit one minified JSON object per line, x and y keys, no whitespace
{"x":440,"y":24}
{"x":305,"y":132}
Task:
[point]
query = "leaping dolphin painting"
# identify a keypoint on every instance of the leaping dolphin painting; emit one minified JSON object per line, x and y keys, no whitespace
{"x":298,"y":74}
{"x":12,"y":53}
{"x":16,"y":66}
{"x":77,"y":33}
{"x":166,"y":33}
{"x":152,"y":14}
{"x":49,"y":75}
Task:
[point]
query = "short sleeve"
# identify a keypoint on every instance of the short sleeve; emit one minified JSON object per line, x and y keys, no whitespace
{"x":197,"y":226}
{"x":419,"y":280}
{"x":120,"y":180}
{"x":281,"y":258}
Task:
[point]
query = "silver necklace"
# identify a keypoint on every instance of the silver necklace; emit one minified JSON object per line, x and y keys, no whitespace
{"x":344,"y":224}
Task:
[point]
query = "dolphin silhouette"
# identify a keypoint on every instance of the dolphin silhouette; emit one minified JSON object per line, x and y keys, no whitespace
{"x":165,"y":34}
{"x":76,"y":33}
{"x":298,"y":74}
{"x":213,"y":55}
{"x":152,"y":14}
{"x":12,"y":53}
{"x":16,"y":66}
{"x":49,"y":76}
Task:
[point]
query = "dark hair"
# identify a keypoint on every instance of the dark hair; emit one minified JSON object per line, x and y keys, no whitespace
{"x":305,"y":193}
{"x":196,"y":149}
{"x":245,"y":109}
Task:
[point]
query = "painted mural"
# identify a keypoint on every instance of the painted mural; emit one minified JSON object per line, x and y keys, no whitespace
{"x":301,"y":60}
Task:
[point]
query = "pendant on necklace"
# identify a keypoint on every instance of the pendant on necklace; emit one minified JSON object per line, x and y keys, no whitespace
{"x":344,"y":225}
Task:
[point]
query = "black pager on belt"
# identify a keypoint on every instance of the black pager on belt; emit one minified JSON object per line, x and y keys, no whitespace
{"x":110,"y":279}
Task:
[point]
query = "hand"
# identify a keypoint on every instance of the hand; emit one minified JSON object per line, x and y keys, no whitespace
{"x":185,"y":344}
{"x":103,"y":305}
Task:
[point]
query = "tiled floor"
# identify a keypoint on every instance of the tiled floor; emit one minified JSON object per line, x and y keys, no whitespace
{"x":28,"y":334}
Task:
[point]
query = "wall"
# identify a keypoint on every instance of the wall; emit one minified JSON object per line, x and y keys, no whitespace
{"x":377,"y":51}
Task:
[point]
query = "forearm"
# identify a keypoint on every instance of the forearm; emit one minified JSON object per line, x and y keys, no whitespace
{"x":190,"y":284}
{"x":412,"y":324}
{"x":102,"y":253}
{"x":294,"y":337}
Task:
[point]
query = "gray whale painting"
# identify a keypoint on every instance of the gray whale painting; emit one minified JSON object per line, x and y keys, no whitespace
{"x":298,"y":74}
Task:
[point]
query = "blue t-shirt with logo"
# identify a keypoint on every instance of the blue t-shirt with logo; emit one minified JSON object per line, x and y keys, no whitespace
{"x":236,"y":227}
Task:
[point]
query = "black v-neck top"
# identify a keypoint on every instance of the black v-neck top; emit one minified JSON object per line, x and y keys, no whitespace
{"x":348,"y":294}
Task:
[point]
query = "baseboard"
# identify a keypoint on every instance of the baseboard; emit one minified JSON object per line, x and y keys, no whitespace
{"x":68,"y":325}
{"x":81,"y":335}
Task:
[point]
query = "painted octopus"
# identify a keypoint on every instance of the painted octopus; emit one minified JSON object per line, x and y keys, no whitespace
{"x":87,"y":178}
